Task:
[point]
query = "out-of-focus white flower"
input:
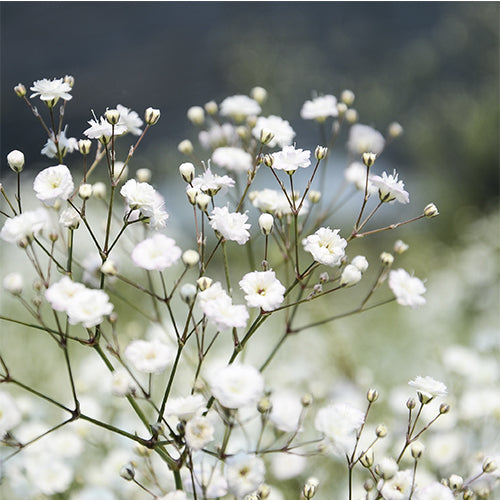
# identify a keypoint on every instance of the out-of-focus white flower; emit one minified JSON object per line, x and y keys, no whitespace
{"x":51,"y":90}
{"x":355,"y":174}
{"x":102,"y":128}
{"x":89,"y":307}
{"x":285,"y":412}
{"x":93,"y":492}
{"x":340,"y":423}
{"x":53,"y":183}
{"x":390,"y":188}
{"x":13,"y":283}
{"x":149,"y":356}
{"x":156,"y":253}
{"x":174,"y":495}
{"x":10,"y":415}
{"x":122,"y":383}
{"x":283,"y":133}
{"x":319,"y":108}
{"x":130,"y":120}
{"x":185,"y":407}
{"x":326,"y":246}
{"x":244,"y":474}
{"x":407,"y":289}
{"x":445,"y":448}
{"x":239,"y":107}
{"x":364,"y":139}
{"x":231,"y":225}
{"x":263,"y":290}
{"x":60,"y":294}
{"x":398,"y":487}
{"x":290,"y":159}
{"x":232,"y":159}
{"x":47,"y":474}
{"x":287,"y":465}
{"x":199,"y":432}
{"x":221,"y":312}
{"x":434,"y":491}
{"x":360,"y":262}
{"x":237,"y":385}
{"x":428,"y":387}
{"x":350,"y":275}
{"x":208,"y":479}
{"x":66,"y":145}
{"x":218,"y":135}
{"x":211,"y":183}
{"x":70,"y":218}
{"x":24,"y":226}
{"x":275,"y":202}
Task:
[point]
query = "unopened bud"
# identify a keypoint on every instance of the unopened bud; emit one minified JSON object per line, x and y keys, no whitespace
{"x":259,"y":94}
{"x":444,"y":408}
{"x":323,"y":277}
{"x":185,"y":147}
{"x":394,"y":130}
{"x":127,"y":472}
{"x":341,"y":108}
{"x":13,"y":283}
{"x":387,"y":468}
{"x":266,"y":136}
{"x":400,"y":247}
{"x":469,"y":494}
{"x":314,"y":196}
{"x":268,"y":160}
{"x":489,"y":465}
{"x":84,"y":146}
{"x":431,"y":210}
{"x":351,"y":116}
{"x":456,"y":482}
{"x":263,"y":491}
{"x":306,"y":400}
{"x":99,"y":190}
{"x":310,"y":488}
{"x":187,"y":171}
{"x":350,"y":276}
{"x":20,"y":90}
{"x":369,"y":159}
{"x":411,"y":403}
{"x":264,"y":405}
{"x":204,"y":283}
{"x":151,"y":116}
{"x":188,"y":293}
{"x":266,"y":223}
{"x":348,"y":97}
{"x":211,"y":107}
{"x":417,"y":450}
{"x":112,"y":116}
{"x":192,"y":193}
{"x":202,"y":201}
{"x":381,"y":431}
{"x":242,"y":131}
{"x":70,"y":80}
{"x":15,"y":159}
{"x":368,"y":485}
{"x":196,"y":115}
{"x":386,"y":258}
{"x":109,"y":268}
{"x":367,"y":459}
{"x":85,"y":191}
{"x":320,"y":152}
{"x":190,"y":258}
{"x":372,"y":395}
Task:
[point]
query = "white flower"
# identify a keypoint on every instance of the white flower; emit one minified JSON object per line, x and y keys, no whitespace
{"x":13,"y":283}
{"x":174,"y":495}
{"x":53,"y":183}
{"x":70,"y":218}
{"x":10,"y":415}
{"x":398,"y":487}
{"x":51,"y":90}
{"x":211,"y":183}
{"x":89,"y":307}
{"x":287,"y":465}
{"x":199,"y":432}
{"x":272,"y":201}
{"x":244,"y":474}
{"x":222,"y":313}
{"x":407,"y":289}
{"x":364,"y":139}
{"x":434,"y":491}
{"x":286,"y":411}
{"x":122,"y":383}
{"x":289,"y":159}
{"x":239,"y":107}
{"x":48,"y":475}
{"x":350,"y":275}
{"x":60,"y":294}
{"x":355,"y":174}
{"x":24,"y":226}
{"x":390,"y":188}
{"x":218,"y":135}
{"x":231,"y":225}
{"x":428,"y":387}
{"x":237,"y":385}
{"x":149,"y":356}
{"x":66,"y":145}
{"x":143,"y":197}
{"x":326,"y":246}
{"x":232,"y":159}
{"x":319,"y":108}
{"x":340,"y":423}
{"x":156,"y":253}
{"x":185,"y":407}
{"x":282,"y":131}
{"x":101,"y":127}
{"x":263,"y":290}
{"x":360,"y":262}
{"x":130,"y":120}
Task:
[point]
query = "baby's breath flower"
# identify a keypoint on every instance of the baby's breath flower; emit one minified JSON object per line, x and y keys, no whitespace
{"x":364,"y":139}
{"x":231,"y":225}
{"x":65,"y":144}
{"x":290,"y":159}
{"x":156,"y":253}
{"x":51,"y":91}
{"x":24,"y":226}
{"x":350,"y":275}
{"x":232,"y":159}
{"x":266,"y":223}
{"x":407,"y":289}
{"x":400,"y":247}
{"x":10,"y":415}
{"x":199,"y":432}
{"x":129,"y":119}
{"x":53,"y":183}
{"x":239,"y":107}
{"x":103,"y":129}
{"x":259,"y":94}
{"x":326,"y":246}
{"x":13,"y":283}
{"x":196,"y":115}
{"x":244,"y":474}
{"x":427,"y":388}
{"x":15,"y":159}
{"x":152,"y":115}
{"x":70,"y":218}
{"x":283,"y":133}
{"x":263,"y":290}
{"x":149,"y":356}
{"x":355,"y":174}
{"x":319,"y":108}
{"x":390,"y":188}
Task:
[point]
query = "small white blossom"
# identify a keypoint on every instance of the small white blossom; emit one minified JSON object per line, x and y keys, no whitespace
{"x":237,"y":385}
{"x":263,"y":290}
{"x":185,"y":407}
{"x":24,"y":226}
{"x":390,"y":188}
{"x":407,"y":289}
{"x":360,"y":262}
{"x":122,"y":383}
{"x":48,"y":474}
{"x":428,"y":387}
{"x":53,"y":183}
{"x":156,"y":253}
{"x":208,"y":182}
{"x":283,"y":133}
{"x":350,"y":275}
{"x":244,"y":474}
{"x":89,"y":307}
{"x":232,"y":159}
{"x":286,"y":411}
{"x":102,"y":128}
{"x":143,"y":197}
{"x":218,"y":135}
{"x":364,"y":139}
{"x":208,"y":479}
{"x":434,"y":491}
{"x":398,"y":487}
{"x":355,"y":174}
{"x":326,"y":246}
{"x":275,"y":202}
{"x":149,"y":356}
{"x":10,"y":415}
{"x":13,"y":283}
{"x":239,"y":107}
{"x":290,"y":159}
{"x":51,"y":90}
{"x":66,"y":145}
{"x":70,"y":218}
{"x":319,"y":108}
{"x":199,"y":432}
{"x":223,"y":314}
{"x":130,"y":120}
{"x":62,"y":292}
{"x":231,"y":225}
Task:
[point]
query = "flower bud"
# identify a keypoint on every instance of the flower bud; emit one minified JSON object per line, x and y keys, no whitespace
{"x":15,"y":159}
{"x":372,"y":395}
{"x":259,"y":94}
{"x":431,"y":210}
{"x":321,"y":152}
{"x":350,"y":275}
{"x":411,"y":403}
{"x":489,"y":465}
{"x":20,"y":90}
{"x":381,"y":431}
{"x":263,"y":491}
{"x":347,"y":96}
{"x":456,"y":482}
{"x":469,"y":494}
{"x":190,"y":258}
{"x":70,"y":218}
{"x":112,"y":116}
{"x":211,"y":107}
{"x":242,"y":132}
{"x":204,"y":282}
{"x":266,"y":136}
{"x":151,"y":116}
{"x":196,"y":115}
{"x":85,"y":191}
{"x":444,"y":408}
{"x":143,"y":174}
{"x":266,"y":223}
{"x":368,"y":485}
{"x":70,"y":80}
{"x":369,"y":159}
{"x":127,"y":472}
{"x":386,"y":258}
{"x":264,"y":405}
{"x":360,"y":262}
{"x":99,"y":190}
{"x":417,"y":450}
{"x":13,"y":283}
{"x":187,"y":171}
{"x":202,"y":201}
{"x":400,"y":247}
{"x":310,"y":488}
{"x":367,"y":459}
{"x":387,"y":468}
{"x":109,"y":268}
{"x":323,"y":277}
{"x":188,"y":293}
{"x":192,"y":193}
{"x":268,"y":160}
{"x":84,"y":146}
{"x":341,"y":108}
{"x":306,"y":400}
{"x":251,"y":121}
{"x":185,"y":147}
{"x":314,"y":196}
{"x":351,"y":116}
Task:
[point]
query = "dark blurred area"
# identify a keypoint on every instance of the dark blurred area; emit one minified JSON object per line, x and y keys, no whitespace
{"x":432,"y":66}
